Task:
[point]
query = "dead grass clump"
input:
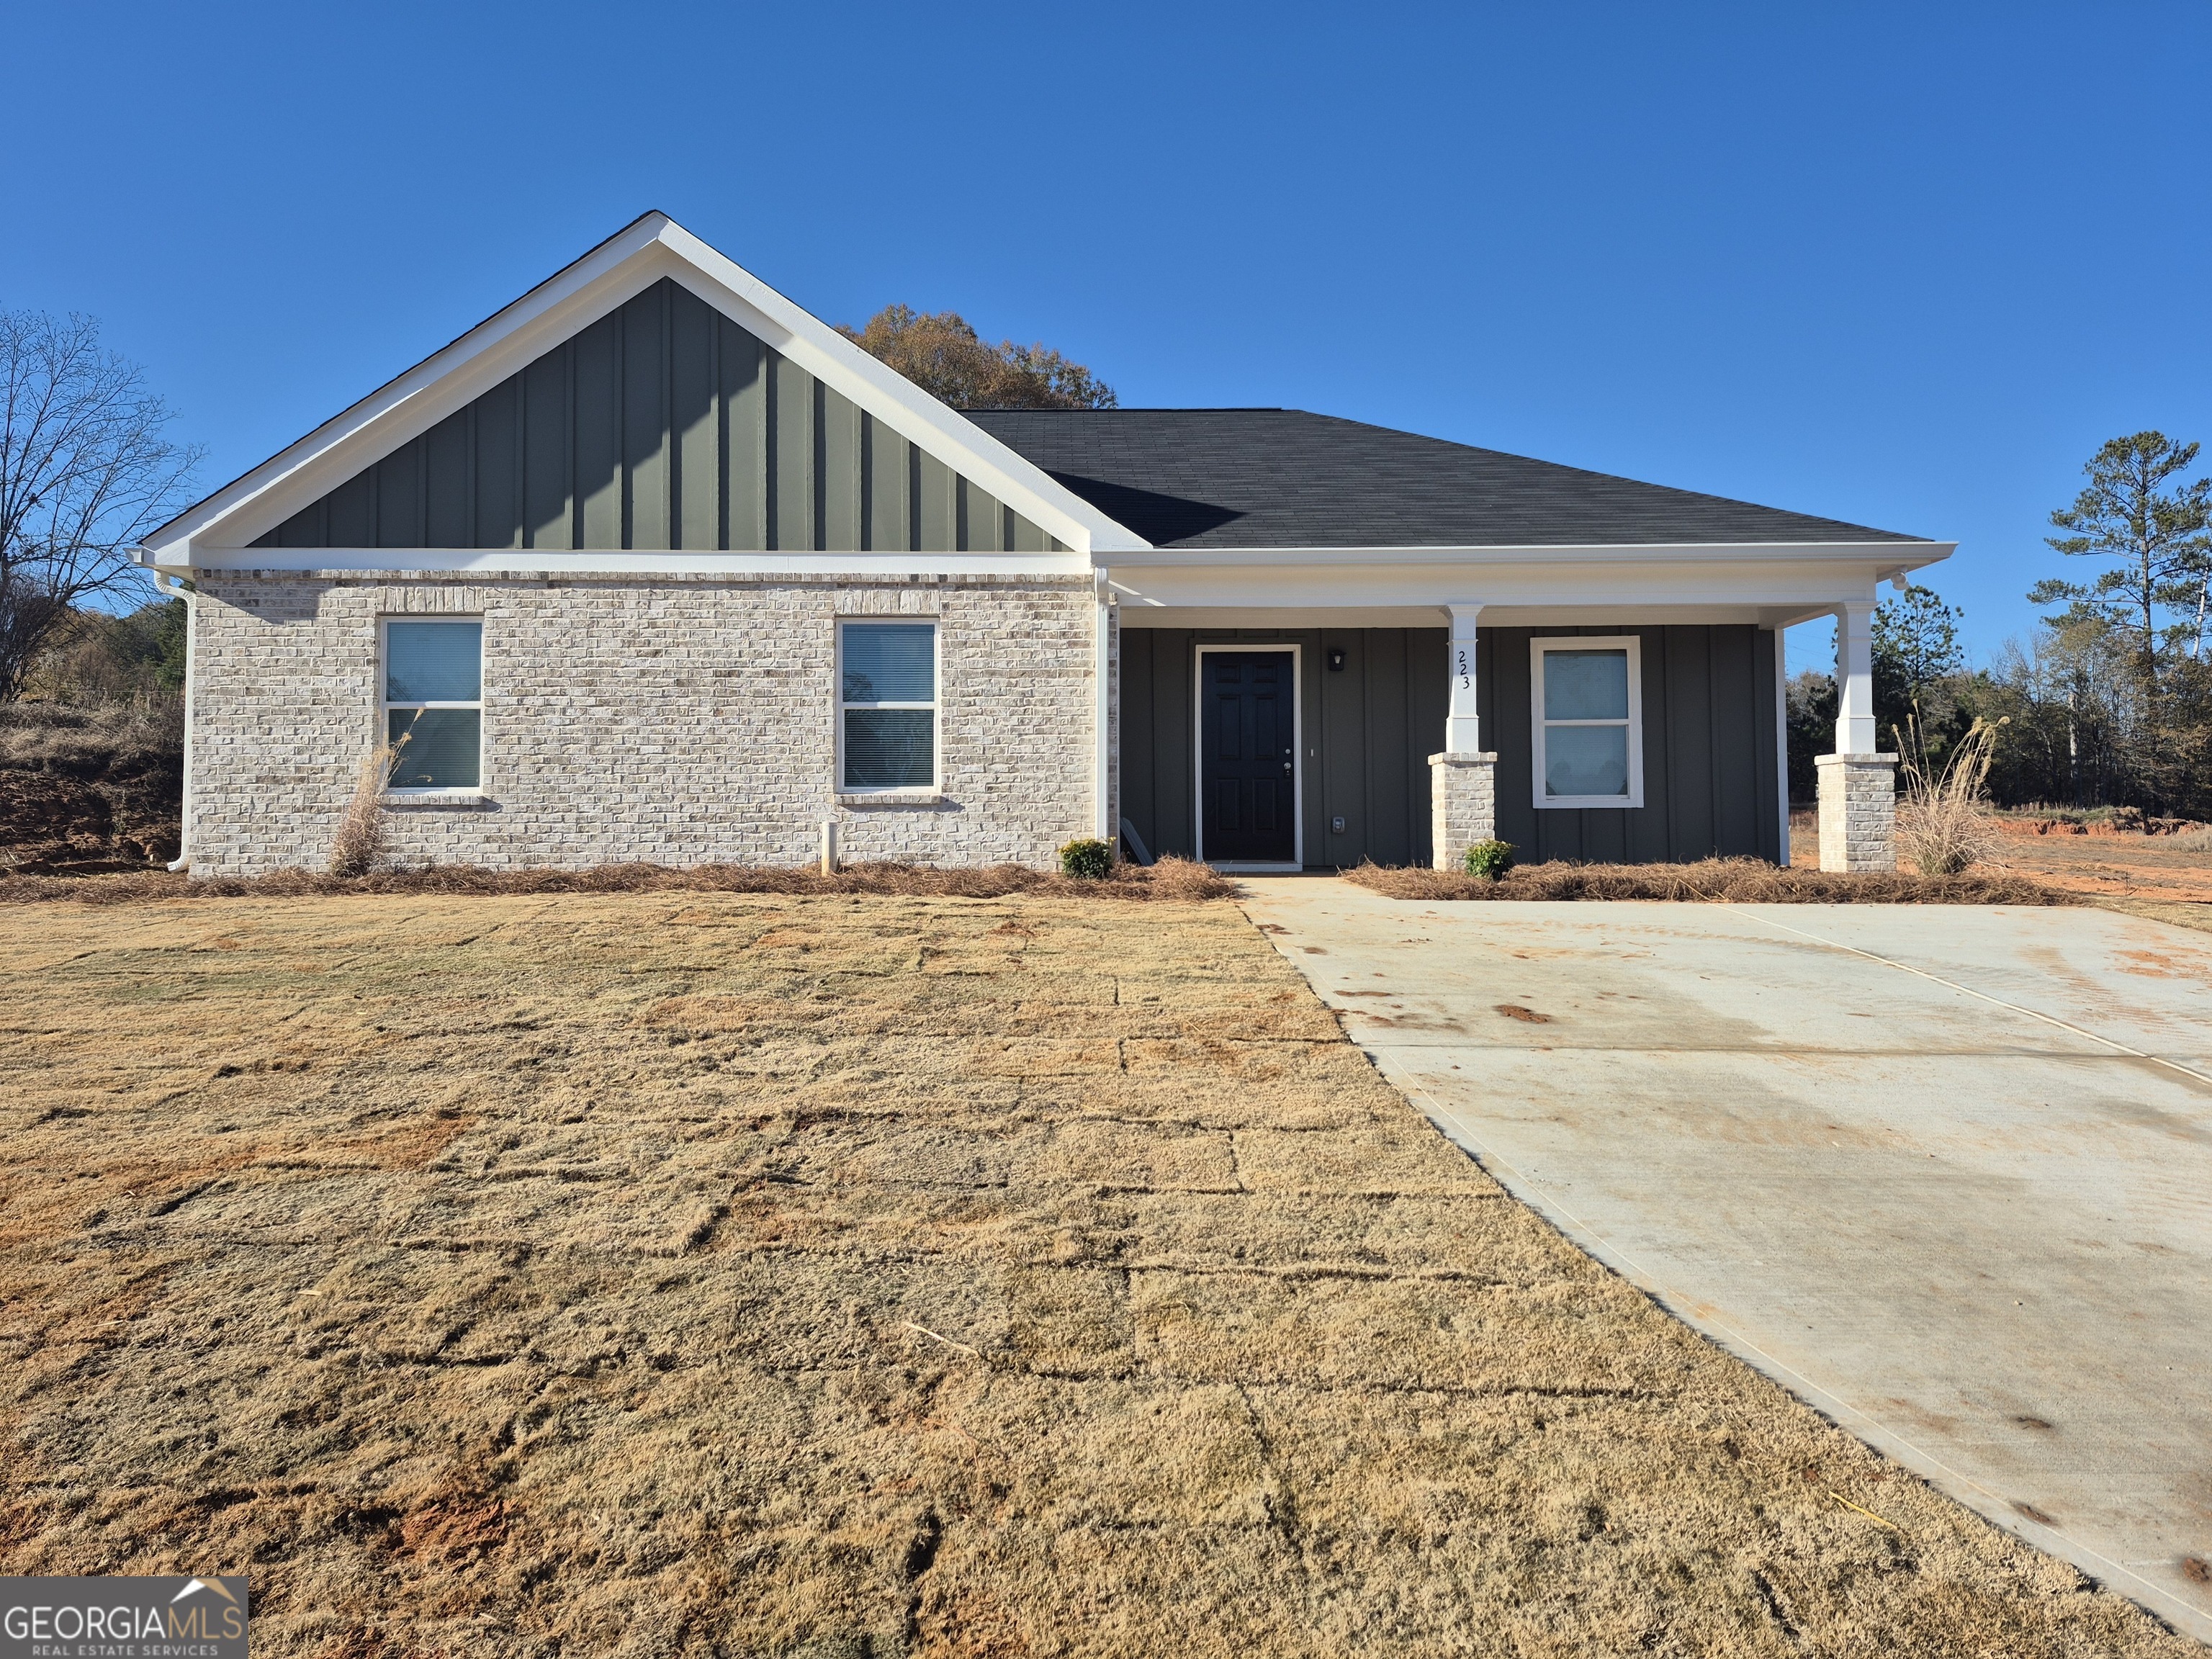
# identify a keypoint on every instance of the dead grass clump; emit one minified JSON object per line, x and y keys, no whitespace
{"x":359,"y":843}
{"x":1713,"y":881}
{"x":1171,"y":879}
{"x":92,"y":738}
{"x":1944,"y":821}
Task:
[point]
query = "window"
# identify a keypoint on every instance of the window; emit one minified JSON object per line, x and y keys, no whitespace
{"x":1587,"y":699}
{"x":887,"y":706}
{"x":434,"y":697}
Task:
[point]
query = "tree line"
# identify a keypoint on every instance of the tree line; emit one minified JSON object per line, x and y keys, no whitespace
{"x":2109,"y":702}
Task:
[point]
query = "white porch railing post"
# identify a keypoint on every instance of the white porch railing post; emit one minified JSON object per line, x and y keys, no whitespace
{"x":1462,"y":780}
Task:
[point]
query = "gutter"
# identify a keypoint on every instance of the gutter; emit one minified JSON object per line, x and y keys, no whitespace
{"x":180,"y":590}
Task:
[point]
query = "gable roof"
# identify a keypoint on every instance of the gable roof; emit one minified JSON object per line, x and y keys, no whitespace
{"x":1286,"y":478}
{"x":634,"y":259}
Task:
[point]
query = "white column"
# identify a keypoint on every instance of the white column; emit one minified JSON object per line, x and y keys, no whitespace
{"x":1462,"y":726}
{"x":1854,"y":732}
{"x":1781,"y":739}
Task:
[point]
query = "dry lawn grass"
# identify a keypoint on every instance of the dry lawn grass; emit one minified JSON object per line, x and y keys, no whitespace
{"x":841,"y":1275}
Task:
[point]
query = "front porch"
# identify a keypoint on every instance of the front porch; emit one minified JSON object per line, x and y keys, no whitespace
{"x":1400,"y":736}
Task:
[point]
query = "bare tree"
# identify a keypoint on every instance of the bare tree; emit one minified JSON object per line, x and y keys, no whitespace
{"x":85,"y":470}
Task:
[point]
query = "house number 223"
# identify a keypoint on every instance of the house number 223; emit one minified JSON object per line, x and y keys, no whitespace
{"x":1465,"y":678}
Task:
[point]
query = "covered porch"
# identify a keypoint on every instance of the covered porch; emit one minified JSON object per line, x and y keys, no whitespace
{"x":1271,"y":737}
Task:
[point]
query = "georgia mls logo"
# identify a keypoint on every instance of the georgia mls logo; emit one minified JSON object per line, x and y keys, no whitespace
{"x":122,"y":1618}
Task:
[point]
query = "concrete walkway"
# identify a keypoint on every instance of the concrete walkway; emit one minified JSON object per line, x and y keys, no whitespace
{"x":1946,"y":1172}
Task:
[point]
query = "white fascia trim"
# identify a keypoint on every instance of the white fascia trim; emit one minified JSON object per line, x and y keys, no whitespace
{"x":616,"y":272}
{"x":1885,"y":555}
{"x":1577,"y":614}
{"x":415,"y":562}
{"x":1795,"y":584}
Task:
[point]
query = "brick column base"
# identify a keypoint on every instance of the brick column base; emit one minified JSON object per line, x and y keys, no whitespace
{"x":1858,"y":811}
{"x":1462,"y":804}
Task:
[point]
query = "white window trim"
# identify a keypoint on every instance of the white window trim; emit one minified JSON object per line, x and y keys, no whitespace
{"x":1538,"y":648}
{"x":1297,"y":756}
{"x":384,"y":705}
{"x":935,"y":705}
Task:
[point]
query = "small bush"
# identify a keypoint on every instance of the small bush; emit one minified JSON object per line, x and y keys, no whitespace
{"x":1086,"y":860}
{"x":1489,"y":860}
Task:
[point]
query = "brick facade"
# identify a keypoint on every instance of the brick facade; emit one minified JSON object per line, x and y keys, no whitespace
{"x":674,"y":719}
{"x":1462,"y":804}
{"x":1858,"y":811}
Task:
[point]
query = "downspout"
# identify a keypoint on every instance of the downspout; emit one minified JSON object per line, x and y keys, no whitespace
{"x":177,"y":590}
{"x":1105,"y":807}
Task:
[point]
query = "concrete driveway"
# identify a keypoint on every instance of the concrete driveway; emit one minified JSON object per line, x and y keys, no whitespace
{"x":1944,"y":1171}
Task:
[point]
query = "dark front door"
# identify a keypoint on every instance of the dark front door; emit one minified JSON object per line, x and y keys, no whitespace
{"x":1248,"y":782}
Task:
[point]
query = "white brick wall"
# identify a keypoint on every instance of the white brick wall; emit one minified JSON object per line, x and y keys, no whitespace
{"x":673,"y":719}
{"x":1858,"y":811}
{"x":1462,"y":805}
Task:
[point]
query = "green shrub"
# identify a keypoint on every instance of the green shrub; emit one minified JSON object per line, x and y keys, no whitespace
{"x":1086,"y":860}
{"x":1489,"y":859}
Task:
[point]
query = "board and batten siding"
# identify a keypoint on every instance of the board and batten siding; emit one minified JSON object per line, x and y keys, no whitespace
{"x":1711,"y":783}
{"x":1368,"y":729}
{"x":662,"y":426}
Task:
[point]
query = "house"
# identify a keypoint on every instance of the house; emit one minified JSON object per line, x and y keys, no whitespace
{"x":653,"y":565}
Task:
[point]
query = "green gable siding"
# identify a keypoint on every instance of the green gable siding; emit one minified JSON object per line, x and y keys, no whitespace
{"x":663,"y":425}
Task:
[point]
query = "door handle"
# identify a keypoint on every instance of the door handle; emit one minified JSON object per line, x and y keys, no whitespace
{"x":1287,"y":766}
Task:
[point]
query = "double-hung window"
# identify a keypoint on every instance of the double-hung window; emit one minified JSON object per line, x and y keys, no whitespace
{"x":1589,"y":727}
{"x":887,"y":706}
{"x":434,"y":698}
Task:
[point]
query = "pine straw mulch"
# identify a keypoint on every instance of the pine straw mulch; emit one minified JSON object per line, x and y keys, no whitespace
{"x":1171,"y":879}
{"x":1723,"y":881}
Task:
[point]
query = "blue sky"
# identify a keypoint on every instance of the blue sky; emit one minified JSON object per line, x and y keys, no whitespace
{"x":1905,"y":266}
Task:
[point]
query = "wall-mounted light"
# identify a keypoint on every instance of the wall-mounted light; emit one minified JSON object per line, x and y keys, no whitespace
{"x":1336,"y":655}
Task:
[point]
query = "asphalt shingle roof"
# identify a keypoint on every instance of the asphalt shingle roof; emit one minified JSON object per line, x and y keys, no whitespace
{"x":1285,"y":478}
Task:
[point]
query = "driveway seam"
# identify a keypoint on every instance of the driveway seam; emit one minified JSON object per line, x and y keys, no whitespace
{"x":1968,"y":990}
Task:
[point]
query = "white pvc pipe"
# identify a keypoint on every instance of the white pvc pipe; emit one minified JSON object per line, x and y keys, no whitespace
{"x":177,"y":590}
